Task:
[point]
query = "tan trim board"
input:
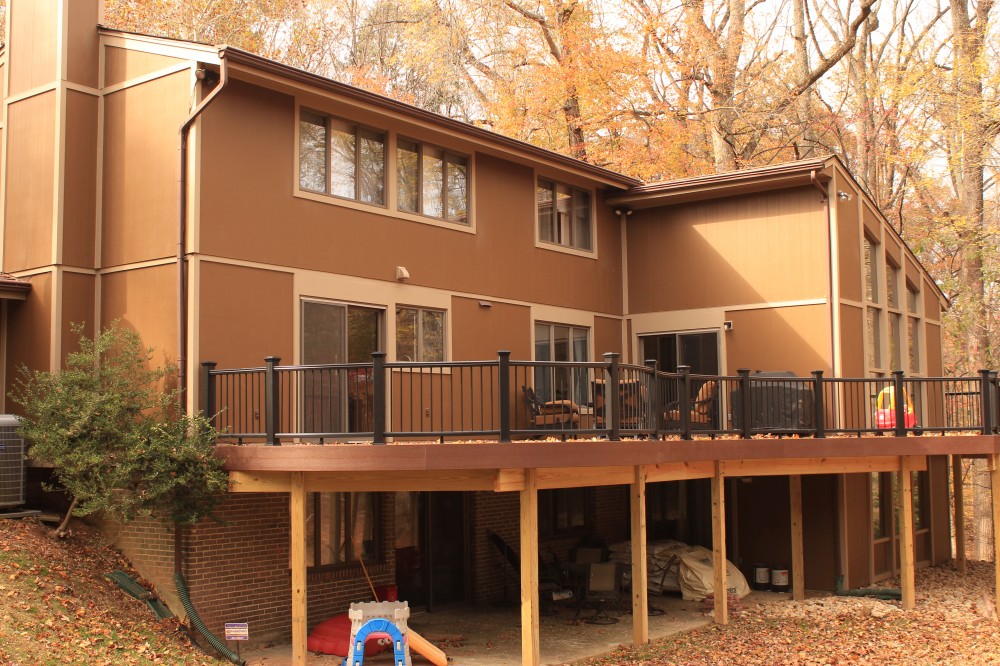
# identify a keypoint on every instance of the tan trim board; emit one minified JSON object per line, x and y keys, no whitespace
{"x":33,"y":92}
{"x":160,"y":46}
{"x":166,"y":261}
{"x":152,"y":76}
{"x":59,"y":176}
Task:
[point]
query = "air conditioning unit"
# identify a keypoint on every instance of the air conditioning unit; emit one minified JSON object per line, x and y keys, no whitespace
{"x":11,"y":463}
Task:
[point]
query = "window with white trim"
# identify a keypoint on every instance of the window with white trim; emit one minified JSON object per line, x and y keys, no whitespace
{"x":341,"y":159}
{"x":432,"y":181}
{"x":420,"y":335}
{"x":564,"y":215}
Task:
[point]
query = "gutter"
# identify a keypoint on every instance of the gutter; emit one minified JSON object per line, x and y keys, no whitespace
{"x":182,"y":279}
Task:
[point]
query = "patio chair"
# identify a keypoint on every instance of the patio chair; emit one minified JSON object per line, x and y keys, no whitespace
{"x":554,"y":414}
{"x":702,"y":409}
{"x":602,"y":587}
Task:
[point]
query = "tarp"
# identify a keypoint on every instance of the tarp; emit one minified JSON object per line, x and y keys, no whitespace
{"x":673,"y":566}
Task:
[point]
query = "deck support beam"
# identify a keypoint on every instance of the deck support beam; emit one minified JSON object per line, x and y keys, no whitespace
{"x":798,"y":558}
{"x":958,"y":490}
{"x":995,"y":496}
{"x":721,"y":594}
{"x":906,"y":555}
{"x":297,"y":516}
{"x":640,"y":574}
{"x":530,"y":644}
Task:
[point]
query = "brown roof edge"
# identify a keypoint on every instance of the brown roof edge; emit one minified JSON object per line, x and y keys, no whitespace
{"x":9,"y":283}
{"x":238,"y":56}
{"x":778,"y":175}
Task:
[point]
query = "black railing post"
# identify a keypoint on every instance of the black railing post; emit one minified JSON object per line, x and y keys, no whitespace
{"x":378,"y":397}
{"x":653,"y":407}
{"x":819,"y":409}
{"x":899,"y":402}
{"x":208,"y":391}
{"x":503,"y":384}
{"x":272,"y":400}
{"x":986,"y":401}
{"x":745,"y":407}
{"x":684,"y":401}
{"x":612,"y":401}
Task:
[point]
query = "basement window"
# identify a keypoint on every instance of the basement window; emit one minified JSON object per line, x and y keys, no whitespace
{"x":341,"y":528}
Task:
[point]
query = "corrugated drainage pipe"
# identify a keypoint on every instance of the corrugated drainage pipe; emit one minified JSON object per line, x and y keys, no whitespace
{"x":878,"y":592}
{"x":200,"y":626}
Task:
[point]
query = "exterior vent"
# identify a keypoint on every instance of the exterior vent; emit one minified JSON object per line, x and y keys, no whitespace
{"x":11,"y":463}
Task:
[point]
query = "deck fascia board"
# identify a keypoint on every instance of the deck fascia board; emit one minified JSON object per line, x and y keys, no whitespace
{"x":438,"y":457}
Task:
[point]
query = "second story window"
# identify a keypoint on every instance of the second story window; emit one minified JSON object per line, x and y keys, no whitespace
{"x":564,"y":215}
{"x":431,"y":181}
{"x":341,"y":159}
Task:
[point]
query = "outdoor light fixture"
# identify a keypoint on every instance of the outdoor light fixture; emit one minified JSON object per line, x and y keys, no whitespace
{"x":402,"y":273}
{"x":844,"y":196}
{"x":727,"y":325}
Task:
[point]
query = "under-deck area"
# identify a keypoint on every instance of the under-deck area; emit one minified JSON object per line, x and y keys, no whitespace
{"x":526,"y":467}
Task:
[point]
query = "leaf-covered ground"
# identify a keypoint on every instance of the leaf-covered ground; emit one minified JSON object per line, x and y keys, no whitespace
{"x":56,"y":606}
{"x":955,"y":622}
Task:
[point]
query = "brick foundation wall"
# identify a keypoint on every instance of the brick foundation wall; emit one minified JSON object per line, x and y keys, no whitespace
{"x":237,"y":569}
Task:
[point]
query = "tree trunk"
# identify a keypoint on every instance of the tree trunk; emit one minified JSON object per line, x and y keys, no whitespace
{"x":64,"y":525}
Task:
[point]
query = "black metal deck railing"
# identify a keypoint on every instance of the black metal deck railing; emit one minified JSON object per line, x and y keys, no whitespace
{"x":504,"y":400}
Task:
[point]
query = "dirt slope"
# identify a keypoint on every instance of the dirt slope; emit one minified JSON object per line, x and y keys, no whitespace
{"x":56,"y":606}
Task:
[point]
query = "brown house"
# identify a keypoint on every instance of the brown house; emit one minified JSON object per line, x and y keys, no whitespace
{"x":231,"y":208}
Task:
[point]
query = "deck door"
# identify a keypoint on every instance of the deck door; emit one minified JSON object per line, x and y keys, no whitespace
{"x":699,"y":350}
{"x":340,"y":400}
{"x":432,"y":538}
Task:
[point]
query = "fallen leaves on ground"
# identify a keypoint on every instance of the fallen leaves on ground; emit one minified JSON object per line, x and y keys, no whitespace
{"x":955,"y":622}
{"x":56,"y":606}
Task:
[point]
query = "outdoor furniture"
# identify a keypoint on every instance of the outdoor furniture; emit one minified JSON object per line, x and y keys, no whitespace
{"x":554,"y":414}
{"x":702,"y":409}
{"x":602,"y":586}
{"x":631,"y":404}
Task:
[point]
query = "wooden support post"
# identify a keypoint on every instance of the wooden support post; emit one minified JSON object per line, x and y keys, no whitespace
{"x":906,"y":555}
{"x":640,"y":574}
{"x":995,"y":492}
{"x":957,"y":481}
{"x":297,"y":515}
{"x":719,"y":546}
{"x":529,"y":570}
{"x":798,"y":559}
